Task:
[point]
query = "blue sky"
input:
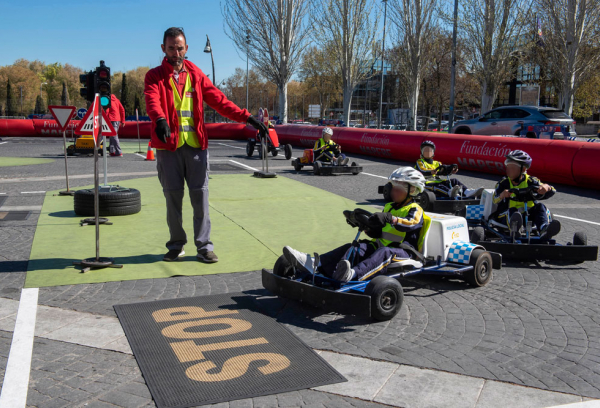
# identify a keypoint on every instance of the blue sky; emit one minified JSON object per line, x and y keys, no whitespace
{"x":125,"y":33}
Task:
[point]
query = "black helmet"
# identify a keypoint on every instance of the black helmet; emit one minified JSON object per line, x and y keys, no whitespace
{"x":427,"y":143}
{"x":519,"y":157}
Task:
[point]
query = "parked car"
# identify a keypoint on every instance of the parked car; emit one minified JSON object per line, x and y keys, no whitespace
{"x":510,"y":120}
{"x":434,"y":126}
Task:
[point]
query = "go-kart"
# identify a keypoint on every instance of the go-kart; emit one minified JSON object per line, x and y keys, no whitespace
{"x":323,"y":165}
{"x":272,"y":146}
{"x":521,"y":241}
{"x":441,"y":252}
{"x":435,"y":201}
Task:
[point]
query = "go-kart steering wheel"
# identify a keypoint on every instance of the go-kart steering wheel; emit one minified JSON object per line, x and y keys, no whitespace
{"x":358,"y":218}
{"x":446,"y":169}
{"x":523,"y":194}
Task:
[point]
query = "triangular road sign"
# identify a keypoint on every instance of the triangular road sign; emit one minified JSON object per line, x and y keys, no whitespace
{"x":62,"y":115}
{"x":86,"y":125}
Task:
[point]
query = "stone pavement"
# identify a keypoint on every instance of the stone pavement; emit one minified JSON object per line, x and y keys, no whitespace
{"x":536,"y":324}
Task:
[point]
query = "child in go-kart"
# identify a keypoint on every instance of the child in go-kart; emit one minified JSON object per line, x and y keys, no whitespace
{"x":396,"y":227}
{"x":510,"y":208}
{"x":432,"y":170}
{"x":326,"y":150}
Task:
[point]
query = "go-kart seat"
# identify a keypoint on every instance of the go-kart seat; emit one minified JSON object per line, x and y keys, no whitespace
{"x":422,"y":248}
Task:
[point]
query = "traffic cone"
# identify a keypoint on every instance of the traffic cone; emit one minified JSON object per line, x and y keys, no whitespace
{"x":150,"y":154}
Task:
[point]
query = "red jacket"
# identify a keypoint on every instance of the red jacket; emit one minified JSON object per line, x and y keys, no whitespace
{"x":116,"y":113}
{"x":159,"y":103}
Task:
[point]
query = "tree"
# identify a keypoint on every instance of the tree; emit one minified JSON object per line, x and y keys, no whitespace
{"x":10,"y":102}
{"x":319,"y":74}
{"x":40,"y":108}
{"x":436,"y":76}
{"x":64,"y":100}
{"x":125,"y":99}
{"x":278,"y":37}
{"x":415,"y":24}
{"x":349,"y":27}
{"x":493,"y":30}
{"x":136,"y":105}
{"x":571,"y":44}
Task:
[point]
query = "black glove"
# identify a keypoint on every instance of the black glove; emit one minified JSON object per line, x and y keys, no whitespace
{"x":380,"y":219}
{"x":374,"y":232}
{"x":162,"y":130}
{"x":258,"y":125}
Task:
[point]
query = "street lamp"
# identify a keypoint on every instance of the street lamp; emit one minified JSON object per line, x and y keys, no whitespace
{"x":382,"y":58}
{"x":247,"y":63}
{"x":208,"y":50}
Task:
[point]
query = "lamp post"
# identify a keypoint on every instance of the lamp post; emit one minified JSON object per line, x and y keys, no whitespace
{"x":247,"y":63}
{"x":453,"y":70}
{"x":382,"y":58}
{"x":208,"y":50}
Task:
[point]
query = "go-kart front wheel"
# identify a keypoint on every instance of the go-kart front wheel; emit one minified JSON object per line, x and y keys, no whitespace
{"x":283,"y":268}
{"x":477,"y":235}
{"x":426,"y":200}
{"x":317,"y":168}
{"x":274,"y":152}
{"x":355,"y":172}
{"x":287,"y":149}
{"x":297,"y":165}
{"x":481,"y":274}
{"x":387,"y":297}
{"x":387,"y":192}
{"x":249,"y":149}
{"x":580,"y":238}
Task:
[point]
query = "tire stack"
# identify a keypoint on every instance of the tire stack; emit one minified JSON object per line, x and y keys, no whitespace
{"x":121,"y":201}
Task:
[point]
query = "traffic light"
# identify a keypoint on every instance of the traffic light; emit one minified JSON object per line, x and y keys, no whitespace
{"x":87,"y":80}
{"x":102,"y":82}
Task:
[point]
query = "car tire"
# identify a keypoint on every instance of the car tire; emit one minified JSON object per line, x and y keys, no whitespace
{"x":283,"y":268}
{"x":287,"y":149}
{"x":249,"y":149}
{"x":120,"y":202}
{"x":387,"y":192}
{"x":481,"y":273}
{"x":530,"y":135}
{"x":317,"y":168}
{"x":463,"y":131}
{"x":477,"y":235}
{"x":387,"y":297}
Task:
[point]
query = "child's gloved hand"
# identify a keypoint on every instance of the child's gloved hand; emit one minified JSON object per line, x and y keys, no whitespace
{"x":380,"y":219}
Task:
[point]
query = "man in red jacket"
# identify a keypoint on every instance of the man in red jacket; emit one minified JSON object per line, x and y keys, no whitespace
{"x":174,"y":93}
{"x":116,"y":115}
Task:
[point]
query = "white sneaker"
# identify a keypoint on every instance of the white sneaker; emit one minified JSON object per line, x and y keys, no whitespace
{"x":343,"y":271}
{"x":474,"y":192}
{"x":339,"y":161}
{"x":455,"y":192}
{"x":299,"y":259}
{"x":345,"y":161}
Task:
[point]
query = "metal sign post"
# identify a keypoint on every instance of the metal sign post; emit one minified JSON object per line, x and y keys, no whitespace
{"x":104,"y":155}
{"x":264,"y":173}
{"x":63,"y":115}
{"x":97,"y":262}
{"x":137,"y":122}
{"x":68,"y":192}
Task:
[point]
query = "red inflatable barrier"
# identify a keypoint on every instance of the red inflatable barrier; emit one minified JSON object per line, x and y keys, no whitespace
{"x":48,"y":127}
{"x":557,"y":161}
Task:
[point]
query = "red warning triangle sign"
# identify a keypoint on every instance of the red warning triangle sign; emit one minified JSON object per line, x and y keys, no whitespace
{"x":62,"y":115}
{"x":89,"y":124}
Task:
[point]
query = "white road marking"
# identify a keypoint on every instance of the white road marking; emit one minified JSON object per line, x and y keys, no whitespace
{"x":21,"y":208}
{"x":18,"y":367}
{"x":373,"y":175}
{"x":243,"y":165}
{"x":3,"y":142}
{"x":75,"y":176}
{"x":141,"y":155}
{"x":33,"y":192}
{"x":235,"y":147}
{"x":576,"y":219}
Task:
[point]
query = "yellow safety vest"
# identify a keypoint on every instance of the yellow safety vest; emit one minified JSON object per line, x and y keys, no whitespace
{"x":321,"y":142}
{"x":423,"y":165}
{"x":389,"y":233}
{"x":521,"y":185}
{"x":185,"y":114}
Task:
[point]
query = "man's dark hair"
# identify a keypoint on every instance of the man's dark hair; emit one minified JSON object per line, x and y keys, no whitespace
{"x":174,"y":32}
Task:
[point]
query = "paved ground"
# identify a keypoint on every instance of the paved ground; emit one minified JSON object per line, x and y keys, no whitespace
{"x":535,"y":324}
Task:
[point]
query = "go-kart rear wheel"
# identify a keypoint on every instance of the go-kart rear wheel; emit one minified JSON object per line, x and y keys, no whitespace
{"x":249,"y":149}
{"x":477,"y":235}
{"x":354,"y":172}
{"x":387,"y":192}
{"x":283,"y":268}
{"x":297,"y":165}
{"x":481,"y":273}
{"x":426,"y":200}
{"x":387,"y":297}
{"x":287,"y":149}
{"x":317,"y":168}
{"x":580,"y":238}
{"x":274,"y":152}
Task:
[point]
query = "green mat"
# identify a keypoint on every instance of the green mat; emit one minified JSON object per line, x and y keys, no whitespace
{"x":252,"y":219}
{"x":22,"y":161}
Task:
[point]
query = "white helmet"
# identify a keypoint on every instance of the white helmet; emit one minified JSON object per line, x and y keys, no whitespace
{"x":411,"y":176}
{"x":327,"y":131}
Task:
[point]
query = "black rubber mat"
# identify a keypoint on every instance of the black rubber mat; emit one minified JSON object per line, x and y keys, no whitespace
{"x":14,"y":215}
{"x":211,"y":349}
{"x":225,"y":167}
